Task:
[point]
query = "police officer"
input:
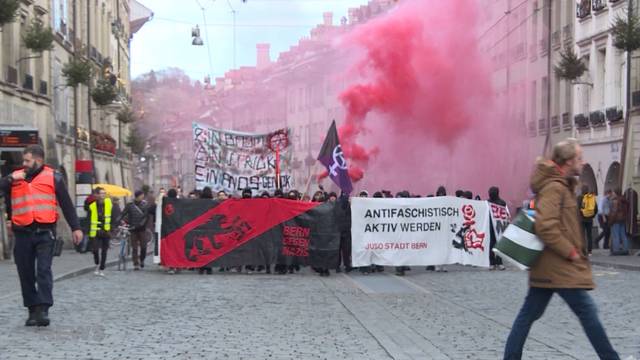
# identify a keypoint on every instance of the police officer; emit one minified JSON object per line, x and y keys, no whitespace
{"x":35,"y":192}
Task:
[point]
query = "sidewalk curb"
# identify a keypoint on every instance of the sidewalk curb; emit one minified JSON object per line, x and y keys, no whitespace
{"x":88,"y":269}
{"x":72,"y":274}
{"x":616,"y":266}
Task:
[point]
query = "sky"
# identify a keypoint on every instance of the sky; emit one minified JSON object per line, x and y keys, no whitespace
{"x":165,"y":41}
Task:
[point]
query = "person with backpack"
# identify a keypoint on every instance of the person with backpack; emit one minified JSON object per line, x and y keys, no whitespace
{"x":137,"y":214}
{"x":588,"y":211}
{"x":617,"y":220}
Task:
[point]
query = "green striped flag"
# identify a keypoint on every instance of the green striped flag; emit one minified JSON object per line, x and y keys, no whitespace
{"x":519,"y":244}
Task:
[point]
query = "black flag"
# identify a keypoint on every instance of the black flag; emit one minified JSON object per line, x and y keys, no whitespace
{"x":332,"y":158}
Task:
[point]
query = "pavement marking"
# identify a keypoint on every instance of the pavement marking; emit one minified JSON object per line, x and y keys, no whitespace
{"x":549,"y":342}
{"x":398,"y":339}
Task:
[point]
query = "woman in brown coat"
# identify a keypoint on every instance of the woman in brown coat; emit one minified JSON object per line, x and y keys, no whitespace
{"x":563,"y":267}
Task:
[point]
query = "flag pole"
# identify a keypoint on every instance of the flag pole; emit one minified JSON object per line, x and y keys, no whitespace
{"x":278,"y":185}
{"x":306,"y":188}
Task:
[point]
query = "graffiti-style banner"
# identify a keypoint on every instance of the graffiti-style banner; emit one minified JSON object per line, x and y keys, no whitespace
{"x":232,"y":161}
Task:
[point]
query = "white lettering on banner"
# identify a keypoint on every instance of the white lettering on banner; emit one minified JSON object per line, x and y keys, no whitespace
{"x":232,"y":161}
{"x":420,"y":231}
{"x":500,"y":219}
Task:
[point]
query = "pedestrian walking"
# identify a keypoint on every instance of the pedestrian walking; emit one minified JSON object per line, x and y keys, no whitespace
{"x":588,"y":211}
{"x":137,"y":214}
{"x":603,"y":219}
{"x":35,"y":193}
{"x":617,"y":219}
{"x":562,"y":267}
{"x":100,"y":212}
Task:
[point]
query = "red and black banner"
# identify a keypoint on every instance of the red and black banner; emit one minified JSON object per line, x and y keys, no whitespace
{"x":200,"y":232}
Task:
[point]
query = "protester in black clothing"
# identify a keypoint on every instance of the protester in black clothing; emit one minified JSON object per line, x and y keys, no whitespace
{"x":318,"y":196}
{"x":278,"y":194}
{"x":400,"y":270}
{"x":344,"y":224}
{"x":495,"y":261}
{"x":468,"y":195}
{"x":172,"y":193}
{"x":442,"y":191}
{"x":459,"y":193}
{"x":137,"y":214}
{"x":206,"y":193}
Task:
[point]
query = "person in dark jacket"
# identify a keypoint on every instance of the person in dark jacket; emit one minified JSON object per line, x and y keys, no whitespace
{"x":495,"y":261}
{"x":34,"y":228}
{"x":344,"y":255}
{"x":617,"y":219}
{"x":400,"y":270}
{"x":137,"y":215}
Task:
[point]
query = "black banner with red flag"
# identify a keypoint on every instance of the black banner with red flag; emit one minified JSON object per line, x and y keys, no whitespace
{"x":200,"y":232}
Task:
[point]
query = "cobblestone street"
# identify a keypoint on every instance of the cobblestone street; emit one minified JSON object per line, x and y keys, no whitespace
{"x":463,"y":314}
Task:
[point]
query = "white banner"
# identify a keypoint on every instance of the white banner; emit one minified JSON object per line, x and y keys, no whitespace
{"x":419,"y":231}
{"x":232,"y":161}
{"x":500,"y":219}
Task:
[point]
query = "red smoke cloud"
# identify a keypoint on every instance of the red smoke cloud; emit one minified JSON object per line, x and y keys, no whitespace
{"x":424,"y":98}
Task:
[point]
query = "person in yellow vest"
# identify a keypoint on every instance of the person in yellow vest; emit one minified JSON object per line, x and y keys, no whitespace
{"x":34,"y":194}
{"x":100,"y":229}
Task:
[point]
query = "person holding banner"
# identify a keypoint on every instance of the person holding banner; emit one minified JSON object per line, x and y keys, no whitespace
{"x":495,"y":261}
{"x":563,"y":267}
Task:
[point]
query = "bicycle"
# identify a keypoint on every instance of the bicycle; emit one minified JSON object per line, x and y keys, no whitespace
{"x":121,"y":241}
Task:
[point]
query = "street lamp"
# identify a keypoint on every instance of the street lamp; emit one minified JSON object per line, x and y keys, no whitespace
{"x":195,"y":34}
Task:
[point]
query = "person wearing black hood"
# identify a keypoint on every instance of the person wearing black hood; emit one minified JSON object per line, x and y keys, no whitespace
{"x":442,"y":191}
{"x":206,"y":193}
{"x":401,"y":269}
{"x":344,"y":223}
{"x":495,"y":261}
{"x":248,"y":194}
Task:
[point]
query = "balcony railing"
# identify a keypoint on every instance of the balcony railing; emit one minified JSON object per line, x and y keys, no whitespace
{"x":567,"y":32}
{"x":597,"y":118}
{"x":44,"y":88}
{"x":598,"y":5}
{"x":103,"y":142}
{"x":12,"y":75}
{"x":555,"y":39}
{"x":531,"y":127}
{"x":544,"y":46}
{"x":581,"y":121}
{"x":27,"y":84}
{"x":635,"y":98}
{"x":542,"y":126}
{"x":566,"y":121}
{"x":614,"y":114}
{"x":555,"y":123}
{"x":583,"y":9}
